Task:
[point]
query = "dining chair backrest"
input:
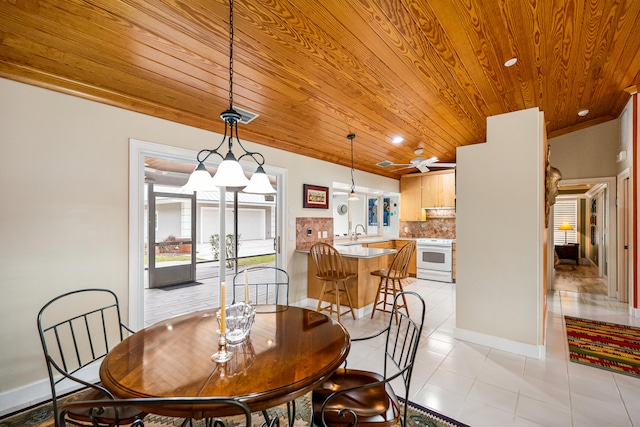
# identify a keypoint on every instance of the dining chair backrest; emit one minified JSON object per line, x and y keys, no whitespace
{"x":328,"y":262}
{"x":399,"y":267}
{"x":356,"y":397}
{"x":403,"y":336}
{"x":266,"y":286}
{"x":76,"y":330}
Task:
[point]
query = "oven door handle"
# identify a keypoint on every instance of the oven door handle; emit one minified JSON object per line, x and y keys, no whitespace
{"x":435,"y":248}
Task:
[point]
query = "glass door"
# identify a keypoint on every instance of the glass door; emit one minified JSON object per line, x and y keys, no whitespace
{"x":172,"y":245}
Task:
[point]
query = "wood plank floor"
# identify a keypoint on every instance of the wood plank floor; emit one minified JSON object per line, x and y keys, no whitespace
{"x":579,"y":278}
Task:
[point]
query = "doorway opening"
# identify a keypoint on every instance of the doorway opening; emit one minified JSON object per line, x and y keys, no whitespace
{"x":594,"y":234}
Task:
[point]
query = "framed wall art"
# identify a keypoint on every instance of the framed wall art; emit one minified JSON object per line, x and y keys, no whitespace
{"x":315,"y":196}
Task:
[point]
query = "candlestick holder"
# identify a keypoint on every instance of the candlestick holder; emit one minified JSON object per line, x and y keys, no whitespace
{"x":222,"y":355}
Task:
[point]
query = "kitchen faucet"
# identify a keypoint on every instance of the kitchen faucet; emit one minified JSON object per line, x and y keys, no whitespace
{"x":355,"y":231}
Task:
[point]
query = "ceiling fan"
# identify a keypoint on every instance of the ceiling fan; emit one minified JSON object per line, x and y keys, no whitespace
{"x":421,"y":163}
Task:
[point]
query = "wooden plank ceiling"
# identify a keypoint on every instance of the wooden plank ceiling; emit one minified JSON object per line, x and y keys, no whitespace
{"x":430,"y":71}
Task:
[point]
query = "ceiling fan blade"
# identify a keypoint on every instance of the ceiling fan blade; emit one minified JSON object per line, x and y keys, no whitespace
{"x":444,"y":165}
{"x":404,"y":167}
{"x":423,"y":168}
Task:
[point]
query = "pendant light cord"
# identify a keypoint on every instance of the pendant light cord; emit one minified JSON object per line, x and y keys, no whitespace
{"x":351,"y":136}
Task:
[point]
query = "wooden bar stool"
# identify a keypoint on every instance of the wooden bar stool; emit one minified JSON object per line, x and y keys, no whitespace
{"x":330,"y":268}
{"x":391,"y":280}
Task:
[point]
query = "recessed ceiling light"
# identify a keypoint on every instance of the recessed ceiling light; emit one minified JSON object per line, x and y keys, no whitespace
{"x":583,"y":113}
{"x":510,"y":62}
{"x":397,"y":139}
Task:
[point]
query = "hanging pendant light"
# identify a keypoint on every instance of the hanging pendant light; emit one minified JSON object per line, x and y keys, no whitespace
{"x":352,"y":195}
{"x":230,"y":173}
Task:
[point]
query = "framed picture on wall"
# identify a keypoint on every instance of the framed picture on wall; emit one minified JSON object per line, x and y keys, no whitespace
{"x":315,"y":196}
{"x":373,"y":212}
{"x":386,"y":211}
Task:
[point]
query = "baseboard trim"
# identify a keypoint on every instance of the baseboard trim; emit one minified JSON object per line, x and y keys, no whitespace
{"x":534,"y":351}
{"x":40,"y":391}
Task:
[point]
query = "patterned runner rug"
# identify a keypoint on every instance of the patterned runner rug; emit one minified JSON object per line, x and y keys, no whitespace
{"x":42,"y":416}
{"x":604,"y":345}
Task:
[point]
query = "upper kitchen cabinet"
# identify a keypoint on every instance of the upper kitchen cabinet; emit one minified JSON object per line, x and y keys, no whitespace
{"x":410,"y":197}
{"x":426,"y":190}
{"x":439,"y":189}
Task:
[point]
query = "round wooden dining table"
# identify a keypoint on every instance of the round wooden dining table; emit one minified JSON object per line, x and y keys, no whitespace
{"x":288,"y":353}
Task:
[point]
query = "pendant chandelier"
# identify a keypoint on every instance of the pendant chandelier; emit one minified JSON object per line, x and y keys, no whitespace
{"x":230,"y":173}
{"x":352,"y":195}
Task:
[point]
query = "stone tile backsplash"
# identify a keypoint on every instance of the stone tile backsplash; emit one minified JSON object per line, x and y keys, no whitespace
{"x":437,"y":228}
{"x":307,"y":230}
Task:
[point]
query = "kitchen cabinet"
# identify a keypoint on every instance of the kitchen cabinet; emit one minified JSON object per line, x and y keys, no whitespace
{"x":426,"y":190}
{"x":438,"y":189}
{"x":410,"y":197}
{"x":389,"y":244}
{"x":453,"y":261}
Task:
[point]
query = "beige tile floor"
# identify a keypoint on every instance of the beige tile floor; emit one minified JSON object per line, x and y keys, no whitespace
{"x":482,"y":386}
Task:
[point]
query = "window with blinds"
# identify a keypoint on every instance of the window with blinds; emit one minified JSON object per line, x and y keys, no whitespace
{"x":565,"y":211}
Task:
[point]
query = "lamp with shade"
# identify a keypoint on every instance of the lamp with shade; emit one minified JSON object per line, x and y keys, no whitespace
{"x":565,"y":226}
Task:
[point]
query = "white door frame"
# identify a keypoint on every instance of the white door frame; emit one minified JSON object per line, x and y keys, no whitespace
{"x":611,"y":236}
{"x":138,"y":150}
{"x":624,"y":227}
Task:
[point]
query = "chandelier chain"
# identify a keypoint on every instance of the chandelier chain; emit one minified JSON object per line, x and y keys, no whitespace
{"x":230,"y":54}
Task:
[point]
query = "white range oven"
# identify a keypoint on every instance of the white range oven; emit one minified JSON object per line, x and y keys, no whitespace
{"x":433,"y":257}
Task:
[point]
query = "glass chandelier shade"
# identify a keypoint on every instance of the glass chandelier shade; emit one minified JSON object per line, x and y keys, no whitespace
{"x":230,"y":173}
{"x":259,"y":183}
{"x":200,"y":180}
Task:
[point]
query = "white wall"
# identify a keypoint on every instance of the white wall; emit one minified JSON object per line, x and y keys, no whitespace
{"x":499,"y":234}
{"x":587,"y":153}
{"x":64,"y":166}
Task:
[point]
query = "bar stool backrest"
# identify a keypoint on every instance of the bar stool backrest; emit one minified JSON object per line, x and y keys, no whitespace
{"x":399,"y":268}
{"x":329,"y":262}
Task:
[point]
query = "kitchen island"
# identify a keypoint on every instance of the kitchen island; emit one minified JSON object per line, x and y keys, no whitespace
{"x":358,"y":259}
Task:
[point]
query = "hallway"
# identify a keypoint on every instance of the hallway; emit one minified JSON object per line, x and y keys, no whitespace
{"x":581,"y":278}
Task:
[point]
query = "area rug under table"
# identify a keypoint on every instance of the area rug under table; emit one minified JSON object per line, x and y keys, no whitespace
{"x":42,"y":416}
{"x":604,"y":345}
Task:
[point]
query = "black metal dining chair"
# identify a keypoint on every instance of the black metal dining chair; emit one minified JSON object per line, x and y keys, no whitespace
{"x":350,"y":396}
{"x":267,"y":286}
{"x":77,"y":329}
{"x":199,"y":405}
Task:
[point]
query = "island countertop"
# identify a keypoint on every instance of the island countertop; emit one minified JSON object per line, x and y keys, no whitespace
{"x":357,"y":251}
